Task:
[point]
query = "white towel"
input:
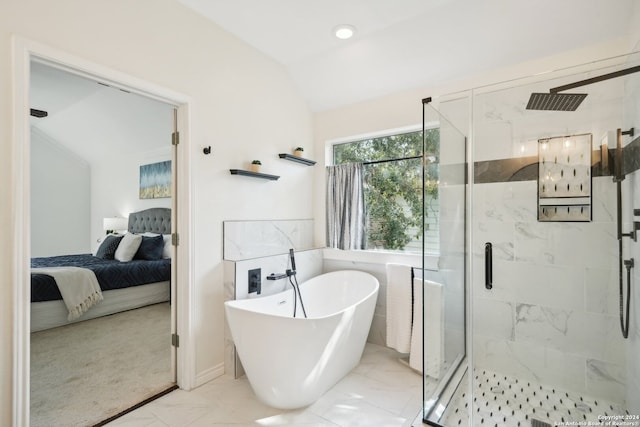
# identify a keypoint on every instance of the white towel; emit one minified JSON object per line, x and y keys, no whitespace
{"x":432,"y":333}
{"x":79,"y":288}
{"x":399,"y":307}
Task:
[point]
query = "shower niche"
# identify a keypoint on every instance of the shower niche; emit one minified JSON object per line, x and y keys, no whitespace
{"x":564,"y":178}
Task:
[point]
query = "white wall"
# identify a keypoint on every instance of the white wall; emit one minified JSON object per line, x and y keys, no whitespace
{"x":60,"y":199}
{"x":243,"y":105}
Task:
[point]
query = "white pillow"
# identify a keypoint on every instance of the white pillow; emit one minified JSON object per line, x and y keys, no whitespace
{"x":168,"y":247}
{"x":167,"y":252}
{"x":128,"y":247}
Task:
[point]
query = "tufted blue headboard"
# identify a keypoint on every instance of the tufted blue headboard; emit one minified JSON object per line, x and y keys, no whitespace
{"x":153,"y":220}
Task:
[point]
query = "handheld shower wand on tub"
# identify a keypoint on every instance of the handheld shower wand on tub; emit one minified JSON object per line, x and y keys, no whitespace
{"x":292,"y":271}
{"x":294,"y":283}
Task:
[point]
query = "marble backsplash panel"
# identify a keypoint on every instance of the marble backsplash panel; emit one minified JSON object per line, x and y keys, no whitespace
{"x":253,"y":239}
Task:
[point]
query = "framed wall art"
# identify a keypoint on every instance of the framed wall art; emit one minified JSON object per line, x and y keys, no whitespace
{"x":155,"y":180}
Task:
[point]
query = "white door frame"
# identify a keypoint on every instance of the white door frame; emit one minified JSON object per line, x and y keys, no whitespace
{"x":23,"y":51}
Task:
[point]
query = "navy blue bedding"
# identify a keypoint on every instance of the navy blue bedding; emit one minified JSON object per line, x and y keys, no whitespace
{"x":111,"y":274}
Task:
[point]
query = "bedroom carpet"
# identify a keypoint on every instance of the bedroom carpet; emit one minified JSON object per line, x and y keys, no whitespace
{"x":86,"y":372}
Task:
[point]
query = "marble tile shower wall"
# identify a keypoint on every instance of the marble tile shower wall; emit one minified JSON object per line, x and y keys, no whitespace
{"x":552,"y":314}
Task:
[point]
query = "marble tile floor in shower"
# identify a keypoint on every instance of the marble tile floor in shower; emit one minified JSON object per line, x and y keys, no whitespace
{"x":505,"y":401}
{"x":380,"y":391}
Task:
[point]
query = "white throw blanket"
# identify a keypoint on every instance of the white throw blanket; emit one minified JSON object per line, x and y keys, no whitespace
{"x":79,"y":288}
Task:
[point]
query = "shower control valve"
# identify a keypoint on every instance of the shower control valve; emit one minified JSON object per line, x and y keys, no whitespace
{"x":633,"y":233}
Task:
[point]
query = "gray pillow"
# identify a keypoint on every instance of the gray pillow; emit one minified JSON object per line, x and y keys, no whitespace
{"x":107,"y":249}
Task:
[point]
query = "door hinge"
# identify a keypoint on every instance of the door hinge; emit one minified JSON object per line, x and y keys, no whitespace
{"x":175,"y":340}
{"x":175,"y":239}
{"x":175,"y":138}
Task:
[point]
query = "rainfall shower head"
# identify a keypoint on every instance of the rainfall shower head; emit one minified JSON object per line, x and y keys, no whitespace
{"x":555,"y":101}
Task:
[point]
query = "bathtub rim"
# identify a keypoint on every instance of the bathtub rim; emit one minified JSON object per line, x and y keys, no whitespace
{"x":236,"y":303}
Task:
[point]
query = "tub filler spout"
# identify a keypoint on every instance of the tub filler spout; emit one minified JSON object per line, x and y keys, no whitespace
{"x":274,"y":276}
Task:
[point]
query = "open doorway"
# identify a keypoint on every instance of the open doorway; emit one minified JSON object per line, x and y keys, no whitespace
{"x":89,"y":157}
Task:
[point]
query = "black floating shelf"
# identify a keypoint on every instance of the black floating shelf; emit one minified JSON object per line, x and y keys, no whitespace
{"x":297,"y":159}
{"x":253,"y":174}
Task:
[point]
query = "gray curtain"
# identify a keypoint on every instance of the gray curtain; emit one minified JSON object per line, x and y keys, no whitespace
{"x":345,"y":207}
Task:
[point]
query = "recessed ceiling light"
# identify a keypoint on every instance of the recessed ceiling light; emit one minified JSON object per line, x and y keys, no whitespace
{"x":344,"y":31}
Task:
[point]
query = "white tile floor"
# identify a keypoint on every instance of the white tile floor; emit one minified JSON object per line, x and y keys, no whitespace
{"x":380,"y":391}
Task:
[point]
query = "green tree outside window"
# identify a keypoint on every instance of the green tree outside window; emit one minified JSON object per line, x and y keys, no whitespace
{"x":393,"y":190}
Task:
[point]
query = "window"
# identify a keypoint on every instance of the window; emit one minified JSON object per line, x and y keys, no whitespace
{"x":393,"y":191}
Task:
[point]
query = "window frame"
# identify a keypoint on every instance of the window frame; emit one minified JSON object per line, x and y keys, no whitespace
{"x":329,"y":161}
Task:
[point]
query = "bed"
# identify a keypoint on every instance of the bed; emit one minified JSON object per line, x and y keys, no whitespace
{"x":123,"y":285}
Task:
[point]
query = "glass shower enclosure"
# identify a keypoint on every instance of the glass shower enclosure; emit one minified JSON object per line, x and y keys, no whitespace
{"x":552,"y":332}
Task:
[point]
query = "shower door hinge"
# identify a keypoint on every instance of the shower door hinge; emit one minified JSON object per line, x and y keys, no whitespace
{"x":175,"y":239}
{"x":175,"y":138}
{"x":175,"y":340}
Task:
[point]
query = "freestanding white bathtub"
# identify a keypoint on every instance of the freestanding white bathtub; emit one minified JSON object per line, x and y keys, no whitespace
{"x":291,"y":362}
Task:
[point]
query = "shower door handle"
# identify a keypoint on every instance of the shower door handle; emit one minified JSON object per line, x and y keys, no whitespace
{"x":488,"y":265}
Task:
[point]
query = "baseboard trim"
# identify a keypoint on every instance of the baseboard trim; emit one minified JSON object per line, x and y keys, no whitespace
{"x":209,"y":374}
{"x":136,"y":406}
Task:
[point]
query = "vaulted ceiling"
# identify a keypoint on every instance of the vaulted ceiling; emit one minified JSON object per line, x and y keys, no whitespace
{"x":96,"y":121}
{"x":406,"y":44}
